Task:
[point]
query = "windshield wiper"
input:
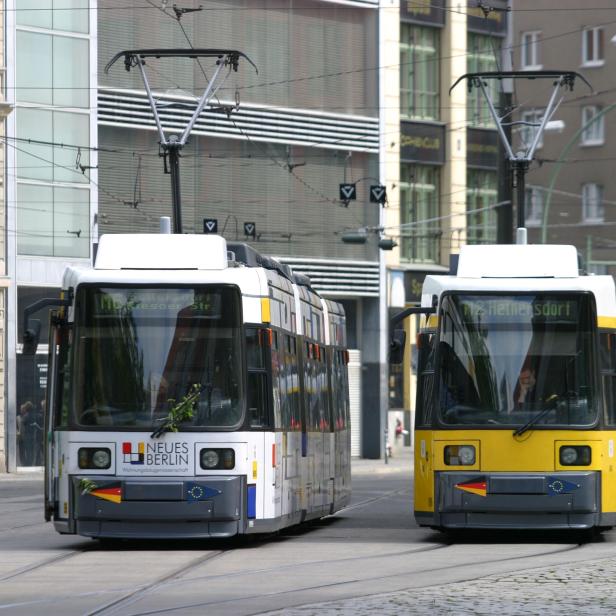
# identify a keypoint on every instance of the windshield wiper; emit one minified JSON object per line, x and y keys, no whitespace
{"x":165,"y":426}
{"x":550,"y":406}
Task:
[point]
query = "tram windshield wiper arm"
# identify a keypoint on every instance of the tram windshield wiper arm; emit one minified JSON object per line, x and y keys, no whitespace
{"x":550,"y":406}
{"x":166,"y":425}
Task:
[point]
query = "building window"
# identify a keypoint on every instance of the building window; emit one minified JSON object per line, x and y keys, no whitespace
{"x":529,"y":47}
{"x":482,"y":54}
{"x":53,"y":221}
{"x":419,"y":72}
{"x":593,"y":133}
{"x":52,"y":70}
{"x":592,"y":203}
{"x":67,"y":15}
{"x":592,"y":47}
{"x":481,"y":196}
{"x":419,"y":209}
{"x":52,"y":79}
{"x":534,"y":206}
{"x":531,"y":123}
{"x":46,"y":163}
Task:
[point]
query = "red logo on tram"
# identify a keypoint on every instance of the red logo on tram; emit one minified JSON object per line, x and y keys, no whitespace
{"x":133,"y":456}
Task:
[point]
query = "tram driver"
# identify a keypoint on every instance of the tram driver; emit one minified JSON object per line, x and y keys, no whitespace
{"x":525,"y":391}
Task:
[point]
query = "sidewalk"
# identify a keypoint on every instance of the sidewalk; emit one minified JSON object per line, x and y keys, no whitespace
{"x":401,"y":462}
{"x":28,"y":475}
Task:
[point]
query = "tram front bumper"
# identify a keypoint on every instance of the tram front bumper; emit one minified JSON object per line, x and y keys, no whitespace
{"x":517,"y":500}
{"x":148,"y":508}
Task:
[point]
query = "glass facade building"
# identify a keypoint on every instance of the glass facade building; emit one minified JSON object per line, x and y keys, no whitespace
{"x":305,"y":123}
{"x":52,"y":185}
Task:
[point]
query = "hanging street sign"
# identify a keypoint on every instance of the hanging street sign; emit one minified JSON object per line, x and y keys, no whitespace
{"x":210,"y":225}
{"x":250,"y":229}
{"x":378,"y":194}
{"x":348,"y":192}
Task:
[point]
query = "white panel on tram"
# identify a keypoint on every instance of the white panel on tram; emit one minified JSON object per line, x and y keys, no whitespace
{"x":355,"y":400}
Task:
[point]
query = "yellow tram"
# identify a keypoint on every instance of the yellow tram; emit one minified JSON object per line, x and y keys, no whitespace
{"x":516,"y":395}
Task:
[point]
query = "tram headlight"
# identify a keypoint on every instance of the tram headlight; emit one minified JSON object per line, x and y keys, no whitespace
{"x":460,"y":455}
{"x":575,"y":455}
{"x":94,"y":457}
{"x":217,"y":459}
{"x":101,"y":458}
{"x":209,"y":458}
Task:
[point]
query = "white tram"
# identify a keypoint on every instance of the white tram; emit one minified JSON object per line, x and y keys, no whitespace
{"x":195,"y":390}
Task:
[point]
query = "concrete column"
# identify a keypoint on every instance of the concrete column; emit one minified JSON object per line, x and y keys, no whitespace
{"x":453,"y":186}
{"x":389,"y":15}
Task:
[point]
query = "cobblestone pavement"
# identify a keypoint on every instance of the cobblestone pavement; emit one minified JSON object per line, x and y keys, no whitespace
{"x":581,"y":588}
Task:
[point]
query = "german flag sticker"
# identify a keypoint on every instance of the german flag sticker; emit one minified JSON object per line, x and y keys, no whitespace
{"x":111,"y":493}
{"x":477,"y":486}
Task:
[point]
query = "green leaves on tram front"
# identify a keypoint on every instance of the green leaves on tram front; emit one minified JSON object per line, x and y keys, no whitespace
{"x":179,"y":412}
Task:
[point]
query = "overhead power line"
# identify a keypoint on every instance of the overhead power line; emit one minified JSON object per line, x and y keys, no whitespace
{"x":286,"y":7}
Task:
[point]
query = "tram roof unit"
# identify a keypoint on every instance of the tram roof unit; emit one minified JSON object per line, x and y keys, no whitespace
{"x":191,"y":259}
{"x":521,"y":267}
{"x":160,"y":258}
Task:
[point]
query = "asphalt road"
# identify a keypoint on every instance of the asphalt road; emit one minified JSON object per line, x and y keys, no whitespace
{"x":368,"y":559}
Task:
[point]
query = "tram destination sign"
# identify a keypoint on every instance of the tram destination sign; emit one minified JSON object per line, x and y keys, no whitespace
{"x":520,"y":309}
{"x":133,"y":302}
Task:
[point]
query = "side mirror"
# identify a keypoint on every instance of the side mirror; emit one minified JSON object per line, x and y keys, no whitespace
{"x":32,"y":327}
{"x":31,"y":337}
{"x":396,"y":346}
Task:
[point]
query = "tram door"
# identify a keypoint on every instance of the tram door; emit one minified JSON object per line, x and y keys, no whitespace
{"x":426,"y":397}
{"x":58,"y":339}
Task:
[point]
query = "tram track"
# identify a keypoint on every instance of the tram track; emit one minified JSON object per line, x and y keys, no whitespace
{"x":34,"y":566}
{"x":314,"y":588}
{"x":369,"y":501}
{"x":55,"y":559}
{"x":20,"y":526}
{"x":420,"y":550}
{"x":118,"y":605}
{"x":175,"y":578}
{"x":171,"y":579}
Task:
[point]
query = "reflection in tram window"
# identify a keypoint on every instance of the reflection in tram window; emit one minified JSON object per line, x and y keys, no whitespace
{"x":140,"y":350}
{"x":493,"y":348}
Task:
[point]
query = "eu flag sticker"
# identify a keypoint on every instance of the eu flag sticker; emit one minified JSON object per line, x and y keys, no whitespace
{"x":560,"y":486}
{"x":197,"y":492}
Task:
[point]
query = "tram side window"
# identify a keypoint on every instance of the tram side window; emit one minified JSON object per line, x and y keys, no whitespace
{"x":256,"y":355}
{"x":310,"y":390}
{"x":324,"y":406}
{"x":426,"y":379}
{"x":608,"y":375}
{"x":277,"y":377}
{"x":255,"y":348}
{"x":291,"y":404}
{"x":339,"y":390}
{"x":257,"y":400}
{"x":344,"y":366}
{"x":62,"y":404}
{"x":332,"y":386}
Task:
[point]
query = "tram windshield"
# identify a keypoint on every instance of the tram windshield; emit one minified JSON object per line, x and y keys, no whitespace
{"x":138,"y":351}
{"x":509,"y":360}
